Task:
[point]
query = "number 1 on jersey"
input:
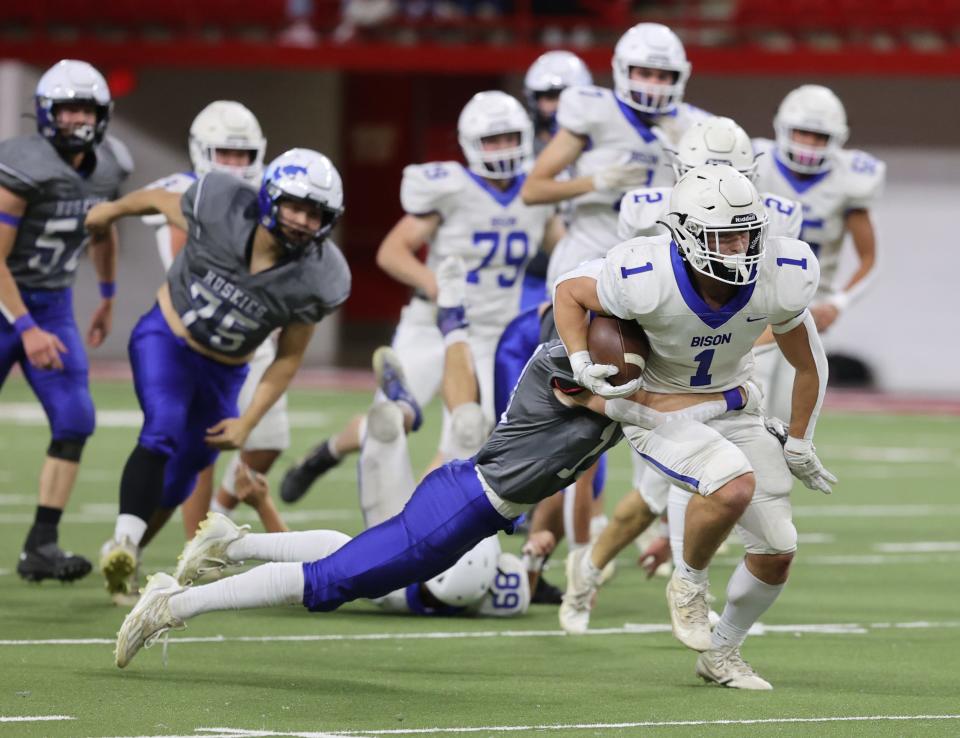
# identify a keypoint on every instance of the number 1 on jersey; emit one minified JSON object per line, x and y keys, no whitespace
{"x":703,"y":377}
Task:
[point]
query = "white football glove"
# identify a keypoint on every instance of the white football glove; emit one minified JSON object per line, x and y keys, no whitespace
{"x":594,"y":377}
{"x":621,"y":178}
{"x":802,"y":459}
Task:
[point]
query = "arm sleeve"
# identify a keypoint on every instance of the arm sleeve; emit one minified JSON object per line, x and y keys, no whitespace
{"x":867,"y":178}
{"x":12,"y":176}
{"x":573,"y":109}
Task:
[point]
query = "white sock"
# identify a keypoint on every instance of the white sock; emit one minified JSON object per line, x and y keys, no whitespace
{"x":307,"y":545}
{"x":700,"y":577}
{"x":676,"y":518}
{"x":266,"y":586}
{"x":747,"y":599}
{"x":589,"y":569}
{"x":216,"y":507}
{"x":331,"y":449}
{"x":129,"y":526}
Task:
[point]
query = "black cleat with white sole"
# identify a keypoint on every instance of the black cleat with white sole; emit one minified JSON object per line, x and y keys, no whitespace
{"x":299,"y":478}
{"x":49,"y":561}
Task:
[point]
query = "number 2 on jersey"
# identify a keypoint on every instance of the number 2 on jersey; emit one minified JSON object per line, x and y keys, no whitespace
{"x":516,"y":247}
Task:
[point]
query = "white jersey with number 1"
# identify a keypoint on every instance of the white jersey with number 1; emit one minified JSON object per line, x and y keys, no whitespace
{"x":693,"y":347}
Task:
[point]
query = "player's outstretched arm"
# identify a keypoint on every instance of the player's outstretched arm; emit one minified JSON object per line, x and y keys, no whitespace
{"x":139,"y":202}
{"x":540,"y":186}
{"x":43,"y":349}
{"x":801,"y":346}
{"x":231,"y":433}
{"x":103,"y":255}
{"x":397,"y":253}
{"x":860,"y":226}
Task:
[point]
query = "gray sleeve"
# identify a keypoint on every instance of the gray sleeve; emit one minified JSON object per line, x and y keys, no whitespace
{"x":188,"y":204}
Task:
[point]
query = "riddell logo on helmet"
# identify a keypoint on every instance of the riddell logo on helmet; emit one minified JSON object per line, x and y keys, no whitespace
{"x":747,"y":218}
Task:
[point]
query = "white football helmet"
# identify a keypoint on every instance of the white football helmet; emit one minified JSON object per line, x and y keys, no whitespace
{"x":489,"y":114}
{"x":709,"y":202}
{"x":716,"y":140}
{"x":654,"y":46}
{"x":554,"y":71}
{"x":225,"y":124}
{"x":466,"y":582}
{"x":810,"y":108}
{"x":70,"y":80}
{"x":301,"y":174}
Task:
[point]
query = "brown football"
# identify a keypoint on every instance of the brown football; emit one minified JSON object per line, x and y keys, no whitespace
{"x":621,"y":343}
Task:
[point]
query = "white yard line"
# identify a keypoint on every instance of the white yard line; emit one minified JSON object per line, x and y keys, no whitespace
{"x":626,"y":629}
{"x":918,"y":547}
{"x":34,"y":718}
{"x":206,"y":732}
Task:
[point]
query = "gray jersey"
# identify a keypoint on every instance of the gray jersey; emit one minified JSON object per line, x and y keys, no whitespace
{"x":540,"y":445}
{"x":51,"y":236}
{"x":223,"y":305}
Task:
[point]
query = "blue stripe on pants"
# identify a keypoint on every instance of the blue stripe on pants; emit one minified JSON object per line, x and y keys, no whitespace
{"x":447,"y":515}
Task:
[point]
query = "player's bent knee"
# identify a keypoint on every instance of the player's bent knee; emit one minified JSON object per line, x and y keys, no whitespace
{"x":385,"y":422}
{"x":67,"y":449}
{"x":737,"y":493}
{"x":468,"y":431}
{"x":771,"y":568}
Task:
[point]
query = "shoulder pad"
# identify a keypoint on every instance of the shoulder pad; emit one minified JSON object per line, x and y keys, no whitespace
{"x":793,"y":274}
{"x":640,"y":210}
{"x":120,"y":152}
{"x":509,"y":593}
{"x":786,"y":216}
{"x":212,"y":196}
{"x":673,"y":125}
{"x":427,"y":188}
{"x":864,"y":177}
{"x":630,"y":280}
{"x":581,"y":108}
{"x":328,"y":274}
{"x":764,"y":146}
{"x":25,"y":164}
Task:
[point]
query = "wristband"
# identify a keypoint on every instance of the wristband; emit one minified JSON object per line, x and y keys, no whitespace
{"x":24,"y":323}
{"x":734,"y":399}
{"x":108,"y":290}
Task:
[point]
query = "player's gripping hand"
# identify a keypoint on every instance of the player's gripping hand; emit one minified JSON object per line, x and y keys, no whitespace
{"x":594,"y":377}
{"x":249,"y":486}
{"x":43,"y":349}
{"x":657,"y":553}
{"x":802,"y":459}
{"x":228,"y":434}
{"x":621,"y":178}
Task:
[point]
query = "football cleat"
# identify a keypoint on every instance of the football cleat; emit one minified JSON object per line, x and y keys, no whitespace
{"x":581,"y":593}
{"x":689,"y":612}
{"x":299,"y":478}
{"x":390,"y":379}
{"x":726,"y":667}
{"x":49,"y":561}
{"x":118,"y":564}
{"x":545,"y":593}
{"x":149,"y":619}
{"x":206,"y":552}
